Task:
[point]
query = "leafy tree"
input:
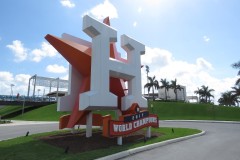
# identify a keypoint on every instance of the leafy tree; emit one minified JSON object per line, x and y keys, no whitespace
{"x":236,"y":91}
{"x":228,"y":99}
{"x":207,"y":93}
{"x":237,"y":66}
{"x":165,"y":85}
{"x":152,"y":83}
{"x":200,"y":93}
{"x":204,"y":94}
{"x":175,"y":87}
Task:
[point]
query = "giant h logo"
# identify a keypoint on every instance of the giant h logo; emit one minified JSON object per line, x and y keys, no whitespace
{"x":96,"y":82}
{"x":103,"y":67}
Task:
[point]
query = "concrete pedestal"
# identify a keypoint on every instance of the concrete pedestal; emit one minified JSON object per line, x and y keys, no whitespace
{"x":119,"y":141}
{"x":148,"y":135}
{"x":89,"y":125}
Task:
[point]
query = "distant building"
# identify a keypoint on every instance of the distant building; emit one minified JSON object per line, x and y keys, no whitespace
{"x":192,"y":99}
{"x":181,"y":94}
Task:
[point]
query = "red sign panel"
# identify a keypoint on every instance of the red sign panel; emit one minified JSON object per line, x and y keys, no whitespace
{"x":119,"y":128}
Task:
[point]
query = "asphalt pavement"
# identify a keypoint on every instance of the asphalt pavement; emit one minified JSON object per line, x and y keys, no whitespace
{"x":221,"y":142}
{"x":20,"y":128}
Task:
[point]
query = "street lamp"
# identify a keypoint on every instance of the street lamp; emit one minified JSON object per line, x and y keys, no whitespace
{"x":12,"y":90}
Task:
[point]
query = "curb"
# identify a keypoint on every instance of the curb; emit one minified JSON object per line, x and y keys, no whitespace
{"x":148,"y":147}
{"x":202,"y":121}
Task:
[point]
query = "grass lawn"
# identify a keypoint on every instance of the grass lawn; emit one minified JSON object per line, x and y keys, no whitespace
{"x":165,"y":111}
{"x":30,"y":147}
{"x":46,"y":113}
{"x":188,"y":111}
{"x":49,"y":113}
{"x":9,"y":109}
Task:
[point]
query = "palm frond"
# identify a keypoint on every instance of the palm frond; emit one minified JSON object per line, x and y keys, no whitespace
{"x":238,"y":81}
{"x":236,"y":65}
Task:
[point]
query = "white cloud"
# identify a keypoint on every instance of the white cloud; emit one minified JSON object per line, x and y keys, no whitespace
{"x":67,"y":3}
{"x":56,"y":69}
{"x":203,"y":64}
{"x":20,"y":53}
{"x":6,"y":79}
{"x":192,"y":75}
{"x":36,"y":55}
{"x":20,"y":82}
{"x":46,"y":50}
{"x":135,"y":24}
{"x":22,"y":78}
{"x":49,"y":49}
{"x":206,"y":39}
{"x":139,"y":10}
{"x":157,"y":57}
{"x":6,"y":76}
{"x":103,"y":10}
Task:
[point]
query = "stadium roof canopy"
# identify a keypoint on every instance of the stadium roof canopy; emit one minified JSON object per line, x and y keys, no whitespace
{"x":46,"y":82}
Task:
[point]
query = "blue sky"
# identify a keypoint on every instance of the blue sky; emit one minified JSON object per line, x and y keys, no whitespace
{"x":195,"y":41}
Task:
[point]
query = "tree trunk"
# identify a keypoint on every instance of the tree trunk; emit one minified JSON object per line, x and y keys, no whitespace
{"x":175,"y":94}
{"x":165,"y":94}
{"x":153,"y":93}
{"x":148,"y":93}
{"x":147,"y":82}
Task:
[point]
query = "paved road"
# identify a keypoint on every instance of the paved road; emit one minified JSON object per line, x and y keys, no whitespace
{"x":221,"y":142}
{"x":21,"y":128}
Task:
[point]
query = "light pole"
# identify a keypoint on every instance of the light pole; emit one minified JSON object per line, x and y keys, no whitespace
{"x":12,"y":90}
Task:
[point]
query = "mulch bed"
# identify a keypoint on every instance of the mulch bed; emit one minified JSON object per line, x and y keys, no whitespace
{"x":77,"y":143}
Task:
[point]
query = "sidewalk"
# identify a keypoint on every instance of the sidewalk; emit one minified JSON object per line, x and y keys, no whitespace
{"x":20,"y":122}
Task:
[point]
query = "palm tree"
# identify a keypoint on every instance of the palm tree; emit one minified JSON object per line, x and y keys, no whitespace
{"x":199,"y":92}
{"x":165,"y":85}
{"x":237,"y":66}
{"x":204,"y":94}
{"x":153,"y":83}
{"x":228,"y":99}
{"x":147,"y":71}
{"x":236,"y":91}
{"x":207,"y":93}
{"x":175,"y":87}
